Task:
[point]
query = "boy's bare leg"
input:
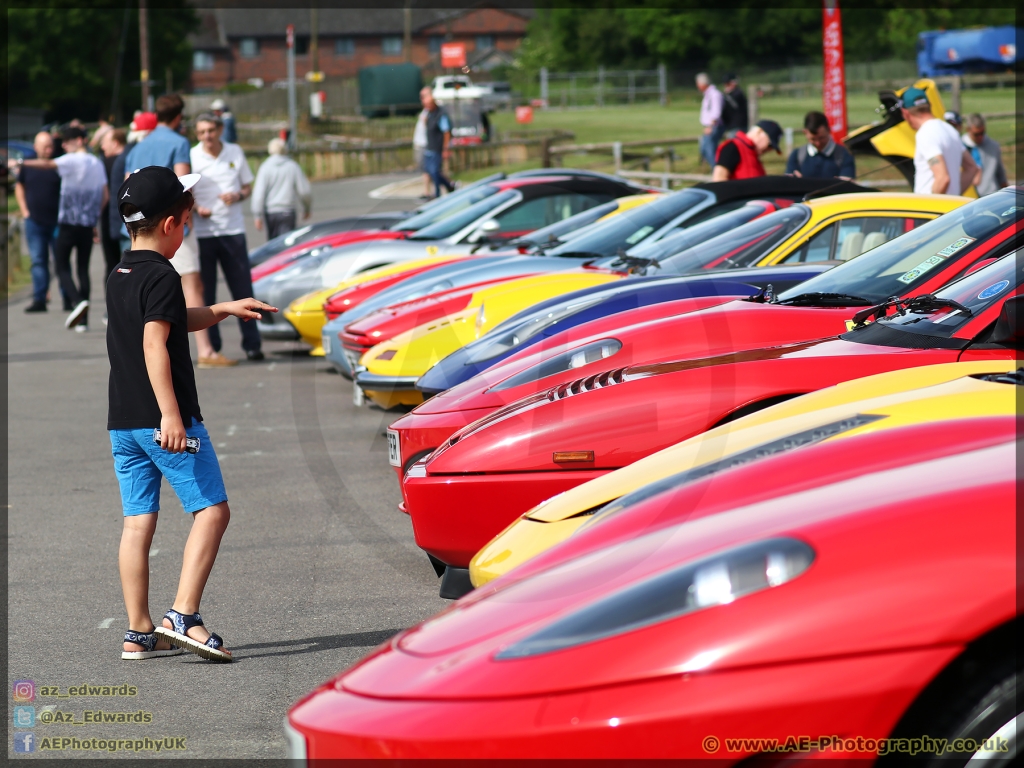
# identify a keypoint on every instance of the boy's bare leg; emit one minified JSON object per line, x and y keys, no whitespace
{"x":200,"y":554}
{"x":192,"y":287}
{"x":133,"y":561}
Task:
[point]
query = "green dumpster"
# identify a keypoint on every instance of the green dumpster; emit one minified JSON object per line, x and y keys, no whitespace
{"x":390,"y":89}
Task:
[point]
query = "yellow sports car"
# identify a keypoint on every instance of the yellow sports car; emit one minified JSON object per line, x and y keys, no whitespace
{"x":307,"y":315}
{"x":895,"y":399}
{"x":835,"y":228}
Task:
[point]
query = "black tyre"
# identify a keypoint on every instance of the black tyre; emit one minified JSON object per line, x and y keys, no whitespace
{"x":976,"y":719}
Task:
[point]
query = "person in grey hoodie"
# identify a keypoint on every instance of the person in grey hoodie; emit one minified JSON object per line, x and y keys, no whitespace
{"x":280,"y":188}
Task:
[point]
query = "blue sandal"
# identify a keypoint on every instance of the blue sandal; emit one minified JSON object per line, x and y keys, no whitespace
{"x":210,"y":650}
{"x":148,"y":641}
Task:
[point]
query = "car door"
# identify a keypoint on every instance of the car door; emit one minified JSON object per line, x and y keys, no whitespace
{"x":847,"y":237}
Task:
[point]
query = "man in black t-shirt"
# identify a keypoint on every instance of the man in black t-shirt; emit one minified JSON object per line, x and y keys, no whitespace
{"x":38,"y":195}
{"x":156,"y":427}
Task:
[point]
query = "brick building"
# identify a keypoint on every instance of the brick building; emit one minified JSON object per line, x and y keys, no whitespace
{"x":235,"y":44}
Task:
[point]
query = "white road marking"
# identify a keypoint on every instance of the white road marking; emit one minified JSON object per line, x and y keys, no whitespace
{"x":247,"y":405}
{"x":232,"y":429}
{"x":222,"y":445}
{"x":154,"y":552}
{"x":105,"y":624}
{"x":272,"y":366}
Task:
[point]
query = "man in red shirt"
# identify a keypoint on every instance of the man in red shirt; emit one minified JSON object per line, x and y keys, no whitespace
{"x":740,"y":156}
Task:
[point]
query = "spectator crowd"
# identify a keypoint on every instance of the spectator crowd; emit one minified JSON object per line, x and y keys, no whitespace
{"x":67,"y":197}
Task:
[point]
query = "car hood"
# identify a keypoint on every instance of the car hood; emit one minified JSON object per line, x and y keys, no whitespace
{"x":873,"y":404}
{"x":625,"y":414}
{"x":674,"y":330}
{"x":940,"y":530}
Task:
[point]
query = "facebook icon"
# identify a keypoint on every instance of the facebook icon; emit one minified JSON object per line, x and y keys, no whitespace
{"x":25,"y":741}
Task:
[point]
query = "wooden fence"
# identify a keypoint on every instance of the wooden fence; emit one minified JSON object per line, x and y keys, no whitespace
{"x":323,"y":163}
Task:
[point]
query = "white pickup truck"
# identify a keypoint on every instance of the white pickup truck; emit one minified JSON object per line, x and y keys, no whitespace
{"x":449,"y":87}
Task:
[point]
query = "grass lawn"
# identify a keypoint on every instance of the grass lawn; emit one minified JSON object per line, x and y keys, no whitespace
{"x":679,"y":119}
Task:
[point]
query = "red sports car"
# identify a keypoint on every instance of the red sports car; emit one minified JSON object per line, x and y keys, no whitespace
{"x":872,"y":615}
{"x":490,"y":472}
{"x":916,"y":263}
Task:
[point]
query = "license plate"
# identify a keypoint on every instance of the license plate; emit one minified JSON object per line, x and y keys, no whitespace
{"x":353,"y":360}
{"x":326,"y":341}
{"x":394,"y":449}
{"x":358,"y":398}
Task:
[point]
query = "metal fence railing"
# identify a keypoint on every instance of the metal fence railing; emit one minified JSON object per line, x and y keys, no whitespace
{"x":603,"y":86}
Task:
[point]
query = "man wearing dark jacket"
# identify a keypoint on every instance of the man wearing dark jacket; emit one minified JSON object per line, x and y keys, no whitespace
{"x":734,"y":107}
{"x":821,"y":157}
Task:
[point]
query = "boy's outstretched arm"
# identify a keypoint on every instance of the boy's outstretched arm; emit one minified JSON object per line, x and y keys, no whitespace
{"x":158,"y":366}
{"x":203,"y":317}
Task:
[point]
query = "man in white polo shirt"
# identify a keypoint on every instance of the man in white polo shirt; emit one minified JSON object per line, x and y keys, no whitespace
{"x":220,"y":223}
{"x":941,"y":164}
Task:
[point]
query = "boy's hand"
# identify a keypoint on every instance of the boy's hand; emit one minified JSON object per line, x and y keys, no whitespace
{"x":204,"y":212}
{"x":172,"y":433}
{"x":245,"y":308}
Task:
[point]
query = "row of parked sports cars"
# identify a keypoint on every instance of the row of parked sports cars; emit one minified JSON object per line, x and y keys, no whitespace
{"x":708,"y":471}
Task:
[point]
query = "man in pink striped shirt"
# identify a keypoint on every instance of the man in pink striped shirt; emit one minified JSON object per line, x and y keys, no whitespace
{"x":710,"y":117}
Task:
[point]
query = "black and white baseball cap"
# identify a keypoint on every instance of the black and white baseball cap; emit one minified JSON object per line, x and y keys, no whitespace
{"x":152,"y":190}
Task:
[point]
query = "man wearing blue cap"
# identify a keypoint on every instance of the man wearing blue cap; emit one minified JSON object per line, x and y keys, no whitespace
{"x":941,"y":164}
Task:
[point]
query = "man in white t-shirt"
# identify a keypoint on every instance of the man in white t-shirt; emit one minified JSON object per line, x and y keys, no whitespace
{"x":941,"y":164}
{"x":83,"y":193}
{"x":220,"y":223}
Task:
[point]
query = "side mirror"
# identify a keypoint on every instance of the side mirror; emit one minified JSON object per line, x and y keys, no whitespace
{"x":1007,"y":331}
{"x":485,"y":230}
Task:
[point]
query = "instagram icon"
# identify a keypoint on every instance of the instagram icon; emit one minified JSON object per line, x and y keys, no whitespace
{"x":23,"y":690}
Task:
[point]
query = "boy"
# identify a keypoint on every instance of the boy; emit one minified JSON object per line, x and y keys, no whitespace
{"x":152,"y":385}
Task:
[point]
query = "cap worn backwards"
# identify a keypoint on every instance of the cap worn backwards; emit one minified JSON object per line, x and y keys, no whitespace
{"x":914,"y":97}
{"x":152,"y":190}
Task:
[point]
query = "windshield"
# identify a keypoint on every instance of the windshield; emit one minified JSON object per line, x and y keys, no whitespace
{"x":554,"y":233}
{"x":458,"y":221}
{"x":670,"y":251}
{"x":976,"y":291}
{"x":743,"y":246}
{"x":453,"y":204}
{"x":632,"y":227}
{"x":896,"y":267}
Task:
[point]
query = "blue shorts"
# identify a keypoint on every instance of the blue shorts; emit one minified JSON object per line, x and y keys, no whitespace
{"x":140,"y":464}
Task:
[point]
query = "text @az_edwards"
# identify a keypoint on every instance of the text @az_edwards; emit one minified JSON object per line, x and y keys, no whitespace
{"x":95,"y":716}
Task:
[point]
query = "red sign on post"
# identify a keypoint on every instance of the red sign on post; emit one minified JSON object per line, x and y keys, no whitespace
{"x":290,"y":36}
{"x":524,"y":114}
{"x":833,"y":91}
{"x":453,"y":55}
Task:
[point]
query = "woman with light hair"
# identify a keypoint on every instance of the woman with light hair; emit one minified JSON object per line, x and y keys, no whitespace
{"x":280,"y":188}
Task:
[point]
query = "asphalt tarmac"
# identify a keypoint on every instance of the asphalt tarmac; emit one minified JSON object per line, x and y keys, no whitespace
{"x":317,"y":566}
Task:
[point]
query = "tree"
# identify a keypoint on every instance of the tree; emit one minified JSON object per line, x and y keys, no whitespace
{"x":583,"y":35}
{"x":63,"y":59}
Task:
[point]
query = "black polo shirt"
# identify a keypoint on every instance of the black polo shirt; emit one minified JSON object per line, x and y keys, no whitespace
{"x":145,"y":287}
